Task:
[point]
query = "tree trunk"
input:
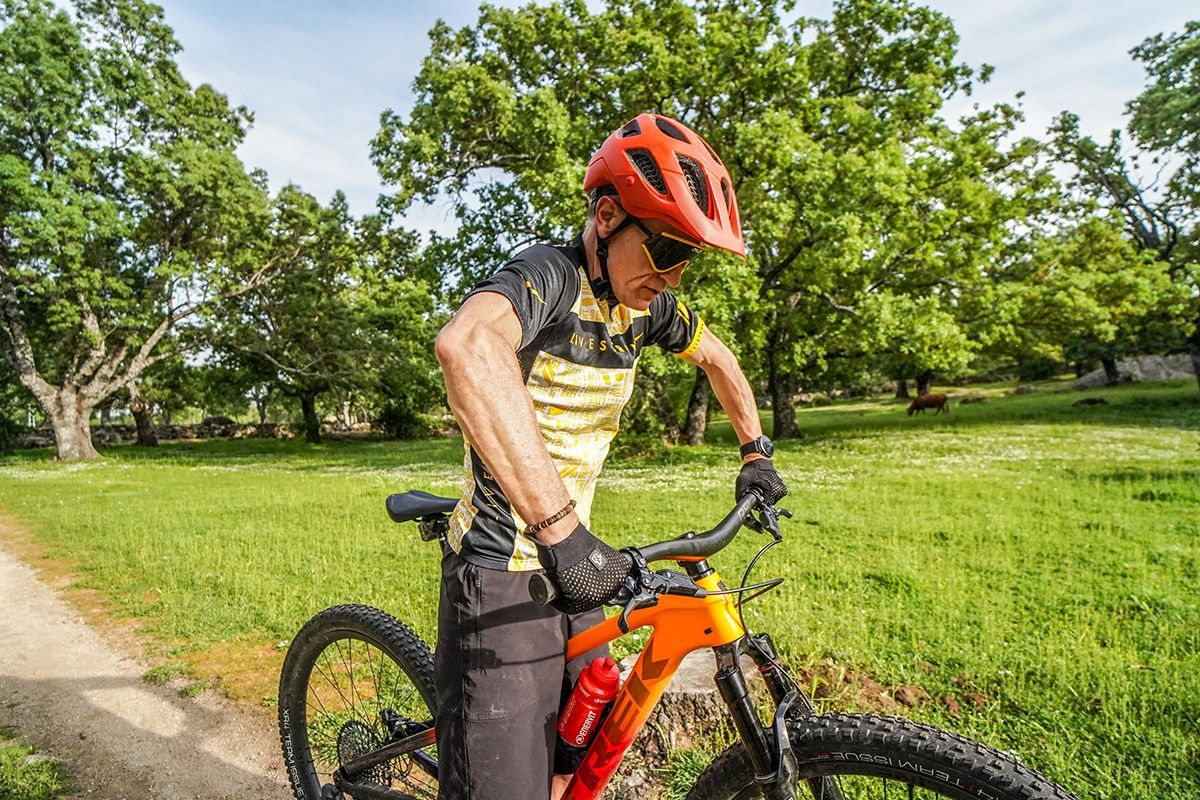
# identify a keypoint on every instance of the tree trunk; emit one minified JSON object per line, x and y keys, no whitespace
{"x":106,"y":416}
{"x":312,"y":425}
{"x":924,"y":382}
{"x":901,"y":389}
{"x":261,"y":395}
{"x":1193,"y":349}
{"x":696,"y":421}
{"x":70,"y":416}
{"x":347,"y":409}
{"x":141,"y":418}
{"x":1111,"y":375}
{"x":1080,"y":369}
{"x":782,"y":387}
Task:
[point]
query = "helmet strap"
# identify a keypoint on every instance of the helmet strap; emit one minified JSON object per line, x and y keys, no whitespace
{"x":602,"y":286}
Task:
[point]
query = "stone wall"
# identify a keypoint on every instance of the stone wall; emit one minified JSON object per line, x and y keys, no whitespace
{"x":213,"y":428}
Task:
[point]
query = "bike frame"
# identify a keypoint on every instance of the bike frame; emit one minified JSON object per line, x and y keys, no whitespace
{"x":679,"y":626}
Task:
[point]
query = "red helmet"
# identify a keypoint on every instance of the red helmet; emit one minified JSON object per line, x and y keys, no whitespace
{"x":663,"y":170}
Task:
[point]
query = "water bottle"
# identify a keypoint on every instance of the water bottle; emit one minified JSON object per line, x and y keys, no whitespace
{"x":585,"y":710}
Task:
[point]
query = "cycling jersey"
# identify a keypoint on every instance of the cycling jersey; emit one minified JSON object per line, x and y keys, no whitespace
{"x":577,"y":357}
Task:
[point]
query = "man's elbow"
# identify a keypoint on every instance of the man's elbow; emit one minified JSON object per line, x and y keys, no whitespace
{"x":449,"y":345}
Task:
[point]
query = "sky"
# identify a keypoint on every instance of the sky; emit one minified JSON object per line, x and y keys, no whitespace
{"x":317,"y":75}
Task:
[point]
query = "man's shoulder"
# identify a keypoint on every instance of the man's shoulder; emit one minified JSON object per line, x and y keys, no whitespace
{"x":548,"y":260}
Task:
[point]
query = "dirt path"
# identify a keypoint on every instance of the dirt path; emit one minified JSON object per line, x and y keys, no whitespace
{"x":71,"y":693}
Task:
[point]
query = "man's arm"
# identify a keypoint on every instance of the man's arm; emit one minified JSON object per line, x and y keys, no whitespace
{"x":730,"y":385}
{"x":477,"y":350}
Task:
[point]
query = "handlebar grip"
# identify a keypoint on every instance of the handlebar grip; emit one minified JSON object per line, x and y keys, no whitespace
{"x":541,"y":589}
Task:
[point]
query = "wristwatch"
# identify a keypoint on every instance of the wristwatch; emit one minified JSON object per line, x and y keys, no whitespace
{"x":762,"y":445}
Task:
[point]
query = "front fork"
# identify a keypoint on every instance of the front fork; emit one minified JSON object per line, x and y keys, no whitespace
{"x":770,"y":750}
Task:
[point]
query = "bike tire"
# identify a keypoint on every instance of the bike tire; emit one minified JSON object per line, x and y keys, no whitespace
{"x":865,"y":755}
{"x":343,"y":669}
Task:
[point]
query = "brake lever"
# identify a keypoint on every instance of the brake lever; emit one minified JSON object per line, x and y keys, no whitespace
{"x":768,"y":520}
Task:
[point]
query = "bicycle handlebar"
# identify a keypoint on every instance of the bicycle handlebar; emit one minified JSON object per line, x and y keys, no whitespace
{"x":690,"y":546}
{"x":703,"y":545}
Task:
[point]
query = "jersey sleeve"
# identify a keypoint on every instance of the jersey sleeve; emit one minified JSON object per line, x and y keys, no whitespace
{"x":674,"y":326}
{"x":541,"y":290}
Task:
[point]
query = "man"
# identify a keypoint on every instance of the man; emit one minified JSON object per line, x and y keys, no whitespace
{"x":538,"y":363}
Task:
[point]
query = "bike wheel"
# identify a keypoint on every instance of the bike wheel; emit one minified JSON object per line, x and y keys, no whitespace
{"x":866,"y":757}
{"x":355,"y":678}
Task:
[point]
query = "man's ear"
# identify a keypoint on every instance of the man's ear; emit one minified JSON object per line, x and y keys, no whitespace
{"x":608,"y":215}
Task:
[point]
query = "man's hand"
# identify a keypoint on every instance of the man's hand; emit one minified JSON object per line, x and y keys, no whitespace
{"x":586,"y":571}
{"x":759,"y":473}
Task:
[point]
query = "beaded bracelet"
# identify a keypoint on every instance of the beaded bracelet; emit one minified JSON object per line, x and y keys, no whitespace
{"x":530,"y":530}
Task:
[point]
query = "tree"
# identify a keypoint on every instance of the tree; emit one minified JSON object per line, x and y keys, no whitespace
{"x":1092,"y":292}
{"x":1161,"y":214}
{"x":854,"y":194}
{"x":300,"y":332}
{"x":124,"y":213}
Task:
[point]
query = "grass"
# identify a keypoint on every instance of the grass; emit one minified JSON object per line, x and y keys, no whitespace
{"x":1033,"y":566}
{"x":26,"y":775}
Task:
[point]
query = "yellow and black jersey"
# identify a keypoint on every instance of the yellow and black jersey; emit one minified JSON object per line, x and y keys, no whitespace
{"x":577,"y":358}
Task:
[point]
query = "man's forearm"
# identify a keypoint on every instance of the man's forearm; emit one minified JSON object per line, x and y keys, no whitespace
{"x":732,"y":390}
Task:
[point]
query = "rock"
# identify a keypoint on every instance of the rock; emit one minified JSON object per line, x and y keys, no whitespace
{"x":217,"y":420}
{"x":1090,"y":401}
{"x":1027,"y":388}
{"x":690,"y":708}
{"x":967,"y":400}
{"x":1142,"y":368}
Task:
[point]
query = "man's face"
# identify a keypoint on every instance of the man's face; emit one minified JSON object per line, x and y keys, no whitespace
{"x":634,"y":280}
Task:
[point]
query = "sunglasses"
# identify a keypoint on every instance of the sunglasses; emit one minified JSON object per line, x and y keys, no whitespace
{"x":665,"y":251}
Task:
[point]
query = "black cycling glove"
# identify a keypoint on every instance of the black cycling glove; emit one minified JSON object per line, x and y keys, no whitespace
{"x":586,"y":571}
{"x":760,"y":474}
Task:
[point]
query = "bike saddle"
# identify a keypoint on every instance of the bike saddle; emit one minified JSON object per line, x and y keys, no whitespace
{"x":409,"y":506}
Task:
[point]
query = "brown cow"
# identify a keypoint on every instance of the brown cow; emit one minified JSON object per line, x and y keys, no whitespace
{"x":935,"y":400}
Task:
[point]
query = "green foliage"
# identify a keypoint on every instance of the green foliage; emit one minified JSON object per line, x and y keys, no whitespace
{"x":401,"y":422}
{"x":123,"y":209}
{"x":872,"y":224}
{"x":1166,"y":115}
{"x":351,"y":313}
{"x":1091,"y":290}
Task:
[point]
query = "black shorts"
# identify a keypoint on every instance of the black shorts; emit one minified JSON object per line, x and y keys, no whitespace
{"x":501,"y":680}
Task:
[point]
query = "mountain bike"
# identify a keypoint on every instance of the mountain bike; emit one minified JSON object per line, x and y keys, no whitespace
{"x":357,"y":702}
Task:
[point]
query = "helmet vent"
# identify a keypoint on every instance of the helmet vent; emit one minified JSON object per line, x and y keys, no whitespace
{"x":632,"y":128}
{"x":712,"y":152}
{"x":696,"y":182}
{"x":670,"y":130}
{"x":644,"y":162}
{"x":725,"y":191}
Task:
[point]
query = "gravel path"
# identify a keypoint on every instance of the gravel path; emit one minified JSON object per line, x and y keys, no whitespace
{"x":72,"y":694}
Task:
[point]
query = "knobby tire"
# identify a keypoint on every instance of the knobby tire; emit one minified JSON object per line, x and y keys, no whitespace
{"x":868,"y":756}
{"x":345,"y":666}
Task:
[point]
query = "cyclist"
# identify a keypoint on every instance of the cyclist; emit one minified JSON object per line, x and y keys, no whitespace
{"x":538,"y":363}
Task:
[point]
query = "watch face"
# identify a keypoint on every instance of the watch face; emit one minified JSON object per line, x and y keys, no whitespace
{"x":766,"y":447}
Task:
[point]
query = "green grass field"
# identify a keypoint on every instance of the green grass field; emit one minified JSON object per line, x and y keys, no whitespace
{"x":1033,"y":567}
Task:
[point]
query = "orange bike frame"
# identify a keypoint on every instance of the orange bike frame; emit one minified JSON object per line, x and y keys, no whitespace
{"x":679,"y":626}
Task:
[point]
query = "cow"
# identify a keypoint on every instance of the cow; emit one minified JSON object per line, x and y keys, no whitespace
{"x":935,"y":400}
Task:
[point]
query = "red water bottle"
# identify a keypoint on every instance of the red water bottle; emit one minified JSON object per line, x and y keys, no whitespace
{"x":581,"y":716}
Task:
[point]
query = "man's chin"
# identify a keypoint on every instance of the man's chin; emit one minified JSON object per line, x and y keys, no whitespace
{"x":640,"y":301}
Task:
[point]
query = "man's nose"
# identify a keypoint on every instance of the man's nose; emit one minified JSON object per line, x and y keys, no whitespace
{"x":673,"y":277}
